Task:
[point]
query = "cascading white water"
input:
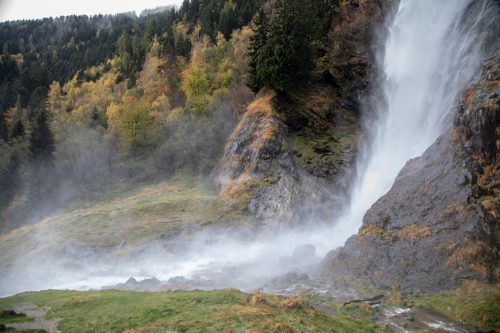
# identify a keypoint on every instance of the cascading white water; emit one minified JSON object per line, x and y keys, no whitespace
{"x":432,"y":52}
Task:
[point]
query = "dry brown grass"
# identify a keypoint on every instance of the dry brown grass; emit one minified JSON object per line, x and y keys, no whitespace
{"x":280,"y":328}
{"x":373,"y":231}
{"x":259,"y":108}
{"x":414,"y":232}
{"x":292,"y":303}
{"x":237,"y":193}
{"x":395,"y":296}
{"x":267,"y":131}
{"x":258,"y":298}
{"x":366,"y":306}
{"x":262,"y":105}
{"x":454,"y":209}
{"x":470,"y":255}
{"x":378,"y":274}
{"x":470,"y":288}
{"x":490,"y":205}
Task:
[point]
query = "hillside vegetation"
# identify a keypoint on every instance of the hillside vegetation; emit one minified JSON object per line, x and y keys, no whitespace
{"x":87,"y":102}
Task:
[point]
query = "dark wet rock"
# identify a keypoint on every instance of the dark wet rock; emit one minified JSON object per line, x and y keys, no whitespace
{"x":418,"y":319}
{"x":438,"y":225}
{"x":356,"y":34}
{"x":9,"y":313}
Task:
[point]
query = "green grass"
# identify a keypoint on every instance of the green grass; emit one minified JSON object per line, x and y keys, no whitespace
{"x":133,"y":217}
{"x":473,"y":304}
{"x":193,"y":311}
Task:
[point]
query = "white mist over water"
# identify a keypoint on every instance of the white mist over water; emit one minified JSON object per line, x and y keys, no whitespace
{"x":432,"y":52}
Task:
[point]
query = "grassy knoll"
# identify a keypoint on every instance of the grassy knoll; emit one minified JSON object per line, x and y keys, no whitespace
{"x":473,"y":304}
{"x":117,"y":220}
{"x":194,"y":311}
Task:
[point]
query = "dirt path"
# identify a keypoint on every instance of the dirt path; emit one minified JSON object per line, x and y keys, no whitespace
{"x":38,"y":313}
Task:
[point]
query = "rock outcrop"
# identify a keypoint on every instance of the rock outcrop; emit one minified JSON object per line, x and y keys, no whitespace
{"x":356,"y":33}
{"x":288,"y":156}
{"x":438,"y":225}
{"x":291,"y":156}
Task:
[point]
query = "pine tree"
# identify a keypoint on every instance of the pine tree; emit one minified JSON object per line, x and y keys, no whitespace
{"x":228,"y":20}
{"x":281,"y":54}
{"x":9,"y":180}
{"x":257,"y":43}
{"x":41,"y":149}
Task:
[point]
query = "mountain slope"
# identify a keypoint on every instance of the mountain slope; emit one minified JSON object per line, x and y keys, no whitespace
{"x":438,"y":225}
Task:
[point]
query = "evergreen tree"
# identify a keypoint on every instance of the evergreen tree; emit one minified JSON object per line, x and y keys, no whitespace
{"x":9,"y":180}
{"x":228,"y":20}
{"x":257,"y":43}
{"x":282,"y":56}
{"x":41,"y":149}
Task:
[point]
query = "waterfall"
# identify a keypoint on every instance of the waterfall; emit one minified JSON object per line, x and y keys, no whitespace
{"x":432,"y":52}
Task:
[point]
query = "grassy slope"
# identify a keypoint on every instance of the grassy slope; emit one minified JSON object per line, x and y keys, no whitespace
{"x":234,"y":311}
{"x":473,"y":304}
{"x":119,"y":216}
{"x":194,"y":311}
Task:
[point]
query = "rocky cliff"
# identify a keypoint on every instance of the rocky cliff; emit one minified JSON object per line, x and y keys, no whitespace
{"x":291,"y":156}
{"x":356,"y":33}
{"x":438,"y":225}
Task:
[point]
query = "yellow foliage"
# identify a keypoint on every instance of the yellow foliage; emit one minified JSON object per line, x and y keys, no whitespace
{"x":213,"y":69}
{"x":54,"y":97}
{"x":84,"y":102}
{"x":151,"y":79}
{"x":240,"y":42}
{"x":134,"y":123}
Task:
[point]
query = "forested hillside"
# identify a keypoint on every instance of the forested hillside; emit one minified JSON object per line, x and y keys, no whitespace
{"x":85,"y":101}
{"x":341,"y":153}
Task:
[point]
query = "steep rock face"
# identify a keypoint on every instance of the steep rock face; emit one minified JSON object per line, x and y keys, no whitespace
{"x":357,"y":31}
{"x":254,"y":158}
{"x":438,"y":225}
{"x":289,"y":156}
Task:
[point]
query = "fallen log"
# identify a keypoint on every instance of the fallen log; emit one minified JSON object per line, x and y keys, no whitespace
{"x":371,"y":300}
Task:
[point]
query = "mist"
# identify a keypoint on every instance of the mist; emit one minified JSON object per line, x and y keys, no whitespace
{"x":26,"y":9}
{"x":432,"y":51}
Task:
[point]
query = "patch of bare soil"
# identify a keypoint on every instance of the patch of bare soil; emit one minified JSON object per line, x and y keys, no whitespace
{"x":37,"y":313}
